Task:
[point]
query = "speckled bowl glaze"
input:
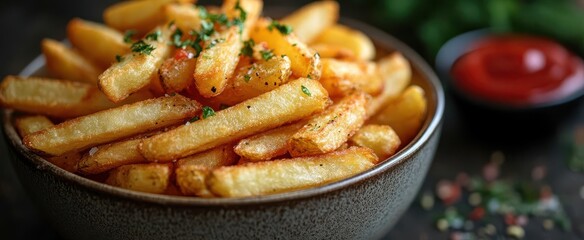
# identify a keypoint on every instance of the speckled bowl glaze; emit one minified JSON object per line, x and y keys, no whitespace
{"x":364,"y":206}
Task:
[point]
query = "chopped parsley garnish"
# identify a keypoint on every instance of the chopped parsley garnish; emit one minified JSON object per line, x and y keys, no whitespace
{"x":282,"y":28}
{"x":247,"y":49}
{"x":305,"y":90}
{"x":208,"y":112}
{"x":194,"y":119}
{"x":142,"y":47}
{"x":214,"y":42}
{"x":119,"y":58}
{"x":208,"y":22}
{"x":154,"y":36}
{"x":246,"y":77}
{"x":267,"y":54}
{"x":176,"y":38}
{"x":128,"y":35}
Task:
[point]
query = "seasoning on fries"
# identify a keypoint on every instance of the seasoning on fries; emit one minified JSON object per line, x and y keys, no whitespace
{"x":168,"y":97}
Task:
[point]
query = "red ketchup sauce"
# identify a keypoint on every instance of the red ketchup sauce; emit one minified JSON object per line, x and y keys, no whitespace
{"x":518,"y":71}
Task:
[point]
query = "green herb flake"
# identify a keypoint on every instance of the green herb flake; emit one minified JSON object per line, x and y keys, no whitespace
{"x":214,"y":42}
{"x":128,"y":35}
{"x":246,"y":77}
{"x":305,"y":90}
{"x":267,"y":54}
{"x":176,"y":38}
{"x":282,"y":28}
{"x":208,"y":112}
{"x":154,"y":36}
{"x":142,"y":47}
{"x":247,"y":49}
{"x":119,"y":58}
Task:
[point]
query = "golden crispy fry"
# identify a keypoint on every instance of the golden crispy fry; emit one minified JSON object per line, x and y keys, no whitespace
{"x":191,"y":172}
{"x":252,"y":8}
{"x":136,"y":69}
{"x":395,"y":72}
{"x":176,"y":74}
{"x":277,"y":176}
{"x":267,"y":145}
{"x":96,"y":41}
{"x":334,"y":51}
{"x":141,"y":16}
{"x":379,"y":138}
{"x":216,"y":64}
{"x":31,"y":124}
{"x":329,"y":130}
{"x":112,"y":124}
{"x":65,"y":63}
{"x":287,"y":103}
{"x":109,"y":156}
{"x":310,"y":20}
{"x":184,"y":16}
{"x":353,"y":39}
{"x":305,"y":62}
{"x":57,"y":98}
{"x":340,"y":78}
{"x":150,"y":178}
{"x":405,"y":114}
{"x":252,"y":80}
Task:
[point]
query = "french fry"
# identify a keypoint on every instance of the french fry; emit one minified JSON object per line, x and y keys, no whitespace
{"x":252,"y":8}
{"x":305,"y":62}
{"x":340,"y":78}
{"x":56,"y":98}
{"x":329,"y":130}
{"x":141,"y":16}
{"x":405,"y":114}
{"x":65,"y":63}
{"x":334,"y":51}
{"x":96,"y":41}
{"x":395,"y":72}
{"x":150,"y":178}
{"x":109,"y":156}
{"x":379,"y":138}
{"x":184,"y":16}
{"x":216,"y":64}
{"x":287,"y":103}
{"x":267,"y":145}
{"x":135,"y":70}
{"x":112,"y":124}
{"x":31,"y":124}
{"x":353,"y":39}
{"x":176,"y":74}
{"x":191,"y":172}
{"x":310,"y":20}
{"x":270,"y":177}
{"x":252,"y":80}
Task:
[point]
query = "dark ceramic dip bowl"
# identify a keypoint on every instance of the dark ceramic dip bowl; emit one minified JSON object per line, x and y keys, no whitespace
{"x":495,"y":120}
{"x":364,"y":206}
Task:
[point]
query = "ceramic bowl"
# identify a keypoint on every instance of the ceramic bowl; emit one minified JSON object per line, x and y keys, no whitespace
{"x":498,"y":121}
{"x":364,"y":206}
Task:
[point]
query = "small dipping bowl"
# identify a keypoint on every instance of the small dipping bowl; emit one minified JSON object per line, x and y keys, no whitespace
{"x":508,"y":85}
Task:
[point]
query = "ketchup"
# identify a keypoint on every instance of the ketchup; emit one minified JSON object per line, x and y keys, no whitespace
{"x":518,"y":70}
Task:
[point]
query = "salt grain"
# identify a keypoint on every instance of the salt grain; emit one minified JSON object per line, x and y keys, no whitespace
{"x":92,"y":151}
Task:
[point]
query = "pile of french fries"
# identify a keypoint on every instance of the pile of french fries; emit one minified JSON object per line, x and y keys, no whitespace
{"x":170,"y":97}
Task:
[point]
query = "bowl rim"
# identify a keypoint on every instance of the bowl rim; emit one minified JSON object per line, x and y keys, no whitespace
{"x":429,"y":128}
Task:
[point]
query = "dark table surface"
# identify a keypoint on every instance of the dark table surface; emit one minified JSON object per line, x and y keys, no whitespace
{"x":26,"y":22}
